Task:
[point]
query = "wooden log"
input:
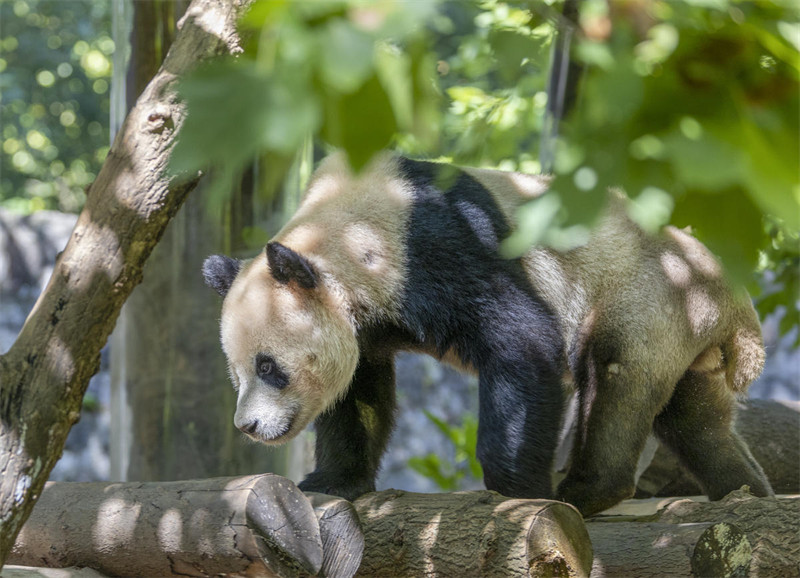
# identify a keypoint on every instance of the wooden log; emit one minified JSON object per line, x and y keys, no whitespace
{"x":655,"y":549}
{"x":771,"y":430}
{"x":341,"y":533}
{"x":470,"y":534}
{"x":740,"y":535}
{"x":32,"y":572}
{"x":772,"y":526}
{"x":255,"y":525}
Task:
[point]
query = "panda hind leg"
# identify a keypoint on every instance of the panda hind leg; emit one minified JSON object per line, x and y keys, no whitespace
{"x":615,"y":416}
{"x":697,"y":424}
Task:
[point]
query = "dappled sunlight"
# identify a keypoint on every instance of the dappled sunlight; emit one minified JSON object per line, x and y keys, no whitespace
{"x":203,"y":543}
{"x":115,"y":524}
{"x":105,"y":256}
{"x":366,"y":246}
{"x":695,"y":271}
{"x":59,"y":357}
{"x":428,"y":537}
{"x":701,"y":311}
{"x":170,"y":531}
{"x":676,"y":269}
{"x":695,"y":254}
{"x":306,"y":238}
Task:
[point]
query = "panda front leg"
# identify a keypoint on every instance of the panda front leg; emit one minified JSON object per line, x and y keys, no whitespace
{"x":352,"y":435}
{"x":520,"y":415}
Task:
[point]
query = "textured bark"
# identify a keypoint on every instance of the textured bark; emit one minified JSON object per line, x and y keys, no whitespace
{"x":341,"y":533}
{"x":772,"y":526}
{"x":45,"y":373}
{"x":772,"y":432}
{"x":470,"y":534}
{"x":658,"y":550}
{"x":254,"y":525}
{"x":738,"y":536}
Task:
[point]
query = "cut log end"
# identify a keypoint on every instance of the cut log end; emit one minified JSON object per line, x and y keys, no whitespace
{"x":722,"y":550}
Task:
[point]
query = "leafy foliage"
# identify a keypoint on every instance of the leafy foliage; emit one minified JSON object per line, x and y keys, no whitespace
{"x":353,"y":73}
{"x":54,"y":100}
{"x":450,"y":475}
{"x":691,"y":106}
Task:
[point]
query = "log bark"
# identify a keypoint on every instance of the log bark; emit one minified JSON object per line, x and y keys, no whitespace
{"x":254,"y":525}
{"x":772,"y":526}
{"x":263,"y":525}
{"x":740,"y":535}
{"x":45,"y":373}
{"x":470,"y":534}
{"x":32,"y":572}
{"x":658,"y":549}
{"x":772,"y":432}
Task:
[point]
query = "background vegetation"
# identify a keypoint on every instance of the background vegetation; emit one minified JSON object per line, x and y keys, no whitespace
{"x":55,"y":72}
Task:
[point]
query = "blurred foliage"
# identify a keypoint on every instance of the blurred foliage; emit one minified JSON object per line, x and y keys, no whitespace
{"x":353,"y":73}
{"x":449,"y":476}
{"x":55,"y":70}
{"x":691,"y":106}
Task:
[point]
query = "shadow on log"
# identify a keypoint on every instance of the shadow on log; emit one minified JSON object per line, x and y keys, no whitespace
{"x":254,"y":525}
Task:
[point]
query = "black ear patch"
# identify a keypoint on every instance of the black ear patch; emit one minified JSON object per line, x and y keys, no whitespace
{"x":286,"y":265}
{"x":219,"y":272}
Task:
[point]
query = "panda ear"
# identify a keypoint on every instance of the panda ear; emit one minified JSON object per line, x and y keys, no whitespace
{"x":219,"y":272}
{"x":286,"y":265}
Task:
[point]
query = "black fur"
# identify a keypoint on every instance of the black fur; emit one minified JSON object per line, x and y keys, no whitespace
{"x":219,"y":272}
{"x":460,"y":295}
{"x":286,"y":265}
{"x":352,"y":436}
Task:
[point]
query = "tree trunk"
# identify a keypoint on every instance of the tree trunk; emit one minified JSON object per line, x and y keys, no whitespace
{"x":172,"y":404}
{"x":470,"y":534}
{"x":45,"y":373}
{"x":740,"y":535}
{"x":255,"y":525}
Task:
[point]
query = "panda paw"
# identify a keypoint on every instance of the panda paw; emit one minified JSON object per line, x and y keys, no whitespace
{"x":345,"y":487}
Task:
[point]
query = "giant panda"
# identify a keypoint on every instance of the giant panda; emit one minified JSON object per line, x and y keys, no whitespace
{"x":405,"y":255}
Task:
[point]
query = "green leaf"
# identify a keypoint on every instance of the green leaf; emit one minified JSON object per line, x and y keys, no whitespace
{"x":346,"y":56}
{"x":512,"y":50}
{"x":771,"y":172}
{"x":432,"y":467}
{"x":729,"y":224}
{"x":706,"y":163}
{"x":652,"y":209}
{"x":263,"y":12}
{"x":260,"y":111}
{"x":361,"y":123}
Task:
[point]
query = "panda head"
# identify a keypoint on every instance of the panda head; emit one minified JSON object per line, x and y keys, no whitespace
{"x":291,"y":350}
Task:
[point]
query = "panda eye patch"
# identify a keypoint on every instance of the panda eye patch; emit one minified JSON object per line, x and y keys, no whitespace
{"x":268,"y":371}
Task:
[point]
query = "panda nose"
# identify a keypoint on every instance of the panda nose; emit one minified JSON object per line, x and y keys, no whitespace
{"x":249,"y":428}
